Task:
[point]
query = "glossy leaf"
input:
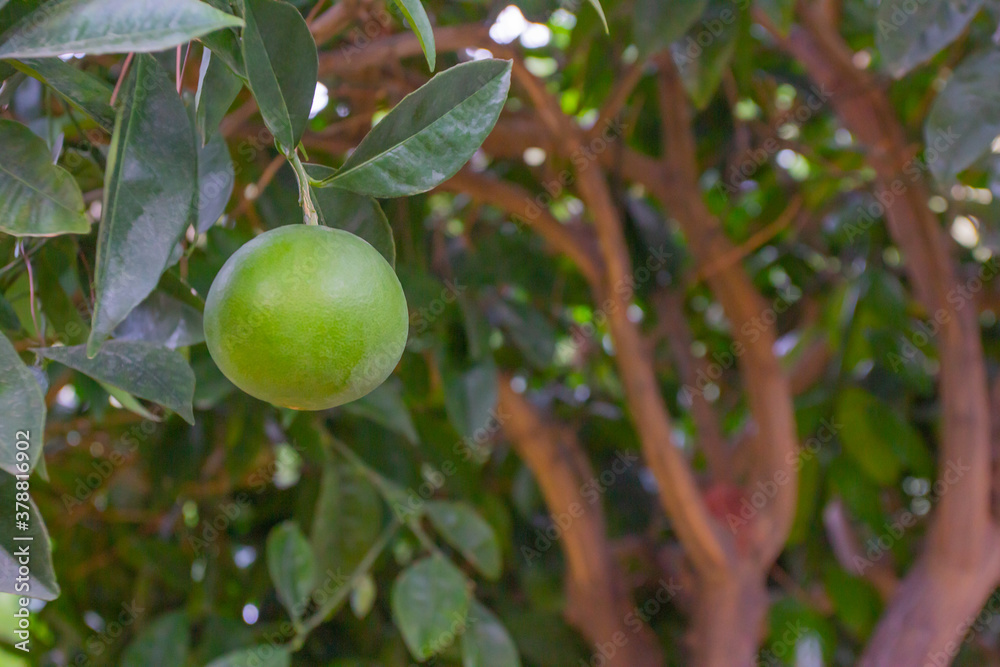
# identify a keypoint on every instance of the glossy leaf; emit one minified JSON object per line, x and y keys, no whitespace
{"x":165,"y":643}
{"x":347,"y":519}
{"x":468,"y":532}
{"x":354,"y":213}
{"x":292,"y":566}
{"x":430,"y":134}
{"x":8,"y":316}
{"x":416,"y":16}
{"x":83,"y":91}
{"x":470,"y":396}
{"x":111,"y":26}
{"x":702,"y":67}
{"x":430,"y":603}
{"x":658,"y":23}
{"x":37,"y":198}
{"x":780,"y":12}
{"x":385,"y":407}
{"x":22,"y":408}
{"x":149,"y":195}
{"x":487,"y":643}
{"x":596,"y":4}
{"x":142,"y":369}
{"x":216,"y":179}
{"x":965,"y":117}
{"x":911,"y":33}
{"x":282,"y":67}
{"x":363,"y":596}
{"x":530,"y":331}
{"x":859,"y":412}
{"x":218,"y":87}
{"x":41,"y":582}
{"x":55,"y":263}
{"x":163,"y":320}
{"x":264,"y":655}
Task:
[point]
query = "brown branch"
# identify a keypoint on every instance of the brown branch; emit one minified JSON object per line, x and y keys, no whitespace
{"x":756,"y":240}
{"x":404,"y":45}
{"x":701,"y":535}
{"x":867,"y":112}
{"x":852,"y":556}
{"x":672,"y":321}
{"x":766,"y":385}
{"x":960,"y":563}
{"x":598,"y":600}
{"x":619,"y":96}
{"x":572,"y":241}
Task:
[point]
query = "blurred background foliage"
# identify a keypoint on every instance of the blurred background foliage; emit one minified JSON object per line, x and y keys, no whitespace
{"x":171,"y":520}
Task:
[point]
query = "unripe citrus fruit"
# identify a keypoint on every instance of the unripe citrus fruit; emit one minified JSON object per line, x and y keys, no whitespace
{"x":306,"y":317}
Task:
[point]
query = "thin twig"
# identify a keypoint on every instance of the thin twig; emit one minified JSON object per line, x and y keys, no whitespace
{"x":314,"y":11}
{"x":121,"y":77}
{"x":180,"y":78}
{"x":31,"y":292}
{"x":756,"y":240}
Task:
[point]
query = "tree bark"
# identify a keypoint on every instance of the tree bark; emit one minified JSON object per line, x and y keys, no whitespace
{"x":599,"y":603}
{"x":729,"y":618}
{"x":932,"y":611}
{"x":957,"y":569}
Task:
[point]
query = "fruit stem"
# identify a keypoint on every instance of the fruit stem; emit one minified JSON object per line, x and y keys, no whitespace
{"x":305,"y":192}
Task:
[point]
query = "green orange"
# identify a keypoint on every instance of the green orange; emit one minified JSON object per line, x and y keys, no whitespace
{"x":306,"y":317}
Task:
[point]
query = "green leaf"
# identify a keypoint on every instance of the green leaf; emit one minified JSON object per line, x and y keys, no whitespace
{"x":149,"y":196}
{"x":468,"y":532}
{"x":282,"y":67}
{"x":659,"y":23}
{"x":8,"y":316}
{"x":42,"y":583}
{"x":216,"y":178}
{"x":487,"y":643}
{"x":163,"y":320}
{"x":529,"y":330}
{"x":218,"y":87}
{"x":22,"y":408}
{"x":415,"y":15}
{"x":142,"y":369}
{"x":385,"y":406}
{"x":363,"y":596}
{"x":855,"y":601}
{"x":347,"y":520}
{"x":129,"y":402}
{"x":430,"y":134}
{"x":859,"y":413}
{"x":264,"y":655}
{"x":702,"y":67}
{"x":965,"y":117}
{"x":354,"y":213}
{"x":596,"y":4}
{"x":911,"y":33}
{"x":164,"y":643}
{"x":292,"y":567}
{"x":430,"y":603}
{"x":37,"y":198}
{"x":55,"y":262}
{"x":781,"y":13}
{"x":83,"y":91}
{"x":470,"y":396}
{"x":905,"y":440}
{"x":111,"y":26}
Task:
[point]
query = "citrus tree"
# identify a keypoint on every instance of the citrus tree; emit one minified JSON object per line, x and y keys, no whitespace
{"x":630,"y":333}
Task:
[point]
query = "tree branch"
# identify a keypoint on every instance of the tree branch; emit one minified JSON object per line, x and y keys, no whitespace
{"x":708,"y":547}
{"x":599,"y":602}
{"x":768,"y":391}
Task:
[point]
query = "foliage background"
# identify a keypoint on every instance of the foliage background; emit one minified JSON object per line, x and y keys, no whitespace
{"x":160,"y":528}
